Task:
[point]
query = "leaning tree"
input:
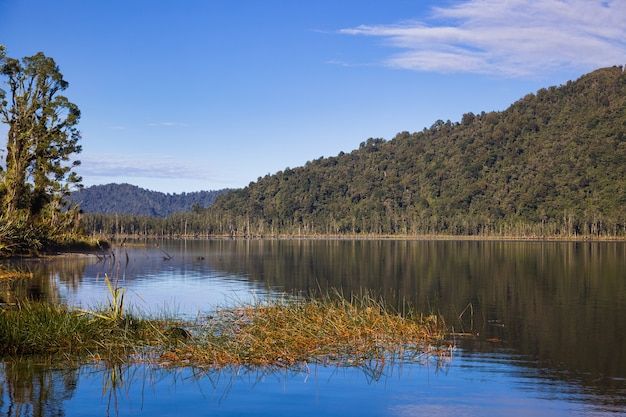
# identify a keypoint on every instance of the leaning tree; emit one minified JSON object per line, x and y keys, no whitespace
{"x":42,"y":137}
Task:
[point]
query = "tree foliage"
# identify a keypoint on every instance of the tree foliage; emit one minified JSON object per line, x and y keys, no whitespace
{"x":42,"y":136}
{"x":552,"y":164}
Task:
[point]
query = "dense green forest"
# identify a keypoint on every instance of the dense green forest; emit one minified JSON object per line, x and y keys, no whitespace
{"x":130,"y":199}
{"x":552,"y":164}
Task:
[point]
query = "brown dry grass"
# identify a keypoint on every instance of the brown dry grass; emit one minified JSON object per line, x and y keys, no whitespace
{"x":9,"y":274}
{"x":283,"y":333}
{"x":288,"y":332}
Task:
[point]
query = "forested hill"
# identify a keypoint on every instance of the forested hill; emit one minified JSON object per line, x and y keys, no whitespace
{"x":553,"y":163}
{"x":130,"y":199}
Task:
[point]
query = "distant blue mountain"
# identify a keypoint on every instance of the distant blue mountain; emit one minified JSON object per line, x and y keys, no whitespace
{"x":130,"y":199}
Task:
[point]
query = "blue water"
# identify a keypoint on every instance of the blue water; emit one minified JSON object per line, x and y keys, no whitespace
{"x":547,"y":318}
{"x":468,"y":385}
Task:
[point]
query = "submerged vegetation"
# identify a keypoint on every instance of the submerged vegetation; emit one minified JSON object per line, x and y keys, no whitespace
{"x":279,"y":333}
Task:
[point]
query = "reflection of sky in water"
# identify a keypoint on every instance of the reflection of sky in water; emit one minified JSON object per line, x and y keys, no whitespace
{"x":181,"y":295}
{"x":464,"y":387}
{"x":184,"y":286}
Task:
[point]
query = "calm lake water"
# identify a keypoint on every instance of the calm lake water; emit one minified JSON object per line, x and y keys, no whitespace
{"x":547,"y":319}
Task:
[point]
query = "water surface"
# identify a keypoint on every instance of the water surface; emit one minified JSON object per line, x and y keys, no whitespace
{"x":542,"y":324}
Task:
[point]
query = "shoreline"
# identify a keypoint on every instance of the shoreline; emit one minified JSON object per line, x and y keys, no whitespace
{"x":123,"y":238}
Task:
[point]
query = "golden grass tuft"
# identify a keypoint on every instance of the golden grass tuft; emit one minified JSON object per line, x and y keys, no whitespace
{"x":282,"y":333}
{"x":288,"y":332}
{"x":9,"y":275}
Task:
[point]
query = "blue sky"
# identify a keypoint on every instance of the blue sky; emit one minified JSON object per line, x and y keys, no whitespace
{"x":202,"y":95}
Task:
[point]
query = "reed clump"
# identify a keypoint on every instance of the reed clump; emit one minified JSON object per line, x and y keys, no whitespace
{"x":283,"y":332}
{"x":39,"y":328}
{"x":325,"y":330}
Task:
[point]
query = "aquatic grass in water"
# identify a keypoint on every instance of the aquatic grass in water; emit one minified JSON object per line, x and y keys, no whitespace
{"x":45,"y":328}
{"x":115,"y":310}
{"x":294,"y":331}
{"x":281,"y":333}
{"x":53,"y":329}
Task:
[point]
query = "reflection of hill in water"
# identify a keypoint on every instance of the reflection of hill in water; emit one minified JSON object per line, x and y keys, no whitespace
{"x":560,"y":302}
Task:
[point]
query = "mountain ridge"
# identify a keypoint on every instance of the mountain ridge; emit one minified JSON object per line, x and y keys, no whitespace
{"x":130,"y":199}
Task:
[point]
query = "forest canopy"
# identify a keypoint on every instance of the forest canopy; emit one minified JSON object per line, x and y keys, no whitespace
{"x":552,"y":164}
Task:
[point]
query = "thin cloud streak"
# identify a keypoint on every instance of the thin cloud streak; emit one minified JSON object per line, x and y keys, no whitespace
{"x":169,"y":124}
{"x":145,"y":166}
{"x":516,"y":38}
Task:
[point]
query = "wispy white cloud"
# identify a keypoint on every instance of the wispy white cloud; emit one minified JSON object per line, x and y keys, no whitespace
{"x":339,"y":63}
{"x":169,"y":124}
{"x":509,"y":37}
{"x":143,"y":165}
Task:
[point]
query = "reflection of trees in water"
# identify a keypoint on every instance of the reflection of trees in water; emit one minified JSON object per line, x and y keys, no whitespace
{"x":46,"y":274}
{"x":34,"y":288}
{"x":29,"y":389}
{"x":559,"y":302}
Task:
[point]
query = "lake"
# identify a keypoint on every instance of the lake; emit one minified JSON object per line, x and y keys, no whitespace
{"x":541,"y":327}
